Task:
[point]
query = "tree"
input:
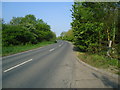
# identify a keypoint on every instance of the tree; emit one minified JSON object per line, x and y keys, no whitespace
{"x":94,"y":25}
{"x":16,"y":21}
{"x":68,"y":35}
{"x":62,"y":35}
{"x":23,"y":30}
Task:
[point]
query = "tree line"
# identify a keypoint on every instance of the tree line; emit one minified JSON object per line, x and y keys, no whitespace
{"x":67,"y":35}
{"x":96,"y":27}
{"x":26,"y":30}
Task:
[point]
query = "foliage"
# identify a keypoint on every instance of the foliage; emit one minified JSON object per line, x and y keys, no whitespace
{"x":67,"y":35}
{"x":20,"y":48}
{"x":94,"y":25}
{"x":28,"y":29}
{"x":100,"y":61}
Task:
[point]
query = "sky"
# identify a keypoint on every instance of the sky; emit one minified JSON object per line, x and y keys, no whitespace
{"x":55,"y":14}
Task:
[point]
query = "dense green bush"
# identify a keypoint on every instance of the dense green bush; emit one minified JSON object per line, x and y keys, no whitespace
{"x":23,"y":30}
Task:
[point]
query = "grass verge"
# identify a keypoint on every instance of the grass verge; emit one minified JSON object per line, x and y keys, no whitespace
{"x":101,"y":62}
{"x":20,"y":48}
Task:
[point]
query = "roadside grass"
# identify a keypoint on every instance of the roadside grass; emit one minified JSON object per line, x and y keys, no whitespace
{"x":101,"y":62}
{"x":20,"y":48}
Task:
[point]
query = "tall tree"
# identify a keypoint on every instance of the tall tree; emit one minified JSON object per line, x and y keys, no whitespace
{"x":94,"y":24}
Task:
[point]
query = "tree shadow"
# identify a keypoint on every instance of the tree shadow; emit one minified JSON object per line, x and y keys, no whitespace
{"x":75,"y":48}
{"x":107,"y":82}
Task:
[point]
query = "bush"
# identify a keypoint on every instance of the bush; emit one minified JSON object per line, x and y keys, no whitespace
{"x":23,"y":30}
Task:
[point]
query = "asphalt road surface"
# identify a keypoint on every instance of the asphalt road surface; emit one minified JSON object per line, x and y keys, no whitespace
{"x":52,"y":66}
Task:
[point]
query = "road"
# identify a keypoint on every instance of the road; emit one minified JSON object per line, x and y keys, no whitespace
{"x":52,"y":66}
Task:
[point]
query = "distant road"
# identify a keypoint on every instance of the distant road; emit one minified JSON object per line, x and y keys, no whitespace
{"x":52,"y":66}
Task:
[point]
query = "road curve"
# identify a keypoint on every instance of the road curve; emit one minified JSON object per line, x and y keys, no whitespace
{"x":52,"y":66}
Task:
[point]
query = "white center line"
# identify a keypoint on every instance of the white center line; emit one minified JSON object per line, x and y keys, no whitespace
{"x":51,"y":49}
{"x":17,"y":65}
{"x":59,"y":45}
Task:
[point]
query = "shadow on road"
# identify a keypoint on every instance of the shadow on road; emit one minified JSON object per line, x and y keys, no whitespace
{"x":107,"y":82}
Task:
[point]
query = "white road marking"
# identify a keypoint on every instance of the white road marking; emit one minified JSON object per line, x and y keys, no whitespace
{"x":17,"y":65}
{"x":51,"y":49}
{"x":59,"y":45}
